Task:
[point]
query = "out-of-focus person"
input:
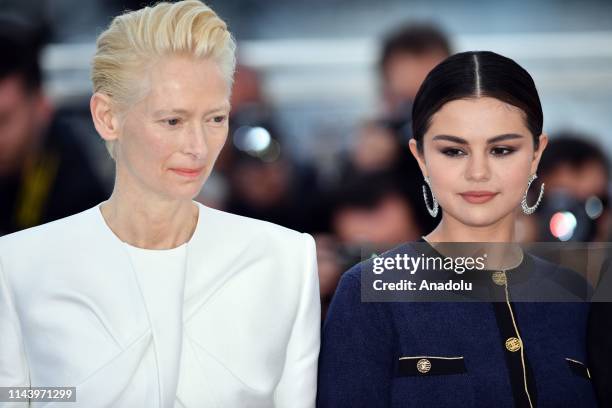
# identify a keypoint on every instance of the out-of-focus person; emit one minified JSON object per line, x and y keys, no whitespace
{"x":408,"y":54}
{"x":256,"y":176}
{"x":369,"y":211}
{"x":576,"y":172}
{"x":577,"y":166}
{"x":264,"y":180}
{"x":44,"y":171}
{"x":375,"y":208}
{"x":376,"y":148}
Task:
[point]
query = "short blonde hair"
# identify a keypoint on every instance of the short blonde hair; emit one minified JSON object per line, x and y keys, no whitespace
{"x":136,"y":39}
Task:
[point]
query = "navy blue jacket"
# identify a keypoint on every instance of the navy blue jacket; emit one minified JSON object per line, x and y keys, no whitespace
{"x":459,"y":353}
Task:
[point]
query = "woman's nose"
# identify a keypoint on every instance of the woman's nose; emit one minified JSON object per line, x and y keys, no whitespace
{"x":477,"y":167}
{"x":195,"y":144}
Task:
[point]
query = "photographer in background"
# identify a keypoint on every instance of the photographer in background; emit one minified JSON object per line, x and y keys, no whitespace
{"x":408,"y":54}
{"x":576,"y":207}
{"x":44,"y":173}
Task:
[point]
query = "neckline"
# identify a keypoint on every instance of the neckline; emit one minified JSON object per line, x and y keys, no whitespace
{"x":437,"y":253}
{"x":178,"y":248}
{"x":167,"y":251}
{"x":518,"y":273}
{"x":486,"y":282}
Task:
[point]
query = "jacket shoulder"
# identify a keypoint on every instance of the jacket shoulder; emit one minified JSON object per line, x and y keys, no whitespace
{"x":566,"y":279}
{"x":46,"y":235}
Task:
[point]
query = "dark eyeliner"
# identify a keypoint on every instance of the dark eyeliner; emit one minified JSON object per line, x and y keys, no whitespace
{"x":455,"y":152}
{"x":508,"y":149}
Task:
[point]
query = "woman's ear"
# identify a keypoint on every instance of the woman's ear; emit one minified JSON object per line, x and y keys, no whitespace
{"x":104,"y":118}
{"x":537,"y":155}
{"x":412,"y":144}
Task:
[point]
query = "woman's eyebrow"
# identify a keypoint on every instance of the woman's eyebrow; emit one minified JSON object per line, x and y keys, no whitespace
{"x":495,"y":139}
{"x":507,"y":136}
{"x":454,"y":139}
{"x":162,"y":112}
{"x":220,"y":108}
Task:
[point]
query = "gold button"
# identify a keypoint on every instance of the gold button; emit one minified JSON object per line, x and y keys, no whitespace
{"x":499,"y":278}
{"x":423,"y":365}
{"x":513,"y":344}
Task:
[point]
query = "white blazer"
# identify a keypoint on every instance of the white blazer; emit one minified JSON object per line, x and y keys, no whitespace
{"x":240,"y":327}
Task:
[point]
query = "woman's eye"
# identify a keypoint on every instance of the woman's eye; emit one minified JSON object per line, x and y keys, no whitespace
{"x":451,"y":152}
{"x":219,"y":119}
{"x":501,"y":151}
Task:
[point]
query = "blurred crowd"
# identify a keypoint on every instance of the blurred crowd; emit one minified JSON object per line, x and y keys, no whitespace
{"x":48,"y":172}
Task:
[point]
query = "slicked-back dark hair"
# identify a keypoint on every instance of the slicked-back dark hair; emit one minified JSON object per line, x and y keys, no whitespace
{"x":476,"y":74}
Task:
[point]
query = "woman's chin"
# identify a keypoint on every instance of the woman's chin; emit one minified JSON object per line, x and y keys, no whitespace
{"x":478,"y":217}
{"x":183,"y":192}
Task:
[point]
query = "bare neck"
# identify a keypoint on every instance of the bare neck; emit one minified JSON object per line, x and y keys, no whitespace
{"x":494,"y":236}
{"x":150,"y":224}
{"x":452,"y":230}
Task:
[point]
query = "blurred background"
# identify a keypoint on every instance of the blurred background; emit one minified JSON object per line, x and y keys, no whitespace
{"x":321,"y":113}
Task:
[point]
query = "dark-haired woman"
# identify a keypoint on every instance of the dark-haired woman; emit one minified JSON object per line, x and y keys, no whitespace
{"x":477,"y":125}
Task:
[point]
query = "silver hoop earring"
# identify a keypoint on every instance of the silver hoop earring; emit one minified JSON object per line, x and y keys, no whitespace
{"x":432,"y":211}
{"x":526,"y":208}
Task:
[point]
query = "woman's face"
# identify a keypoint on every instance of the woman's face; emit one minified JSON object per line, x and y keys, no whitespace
{"x":169,"y":140}
{"x":477,"y":147}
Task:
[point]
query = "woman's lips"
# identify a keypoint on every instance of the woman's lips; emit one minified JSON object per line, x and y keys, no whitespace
{"x":478,"y":197}
{"x":190,"y":173}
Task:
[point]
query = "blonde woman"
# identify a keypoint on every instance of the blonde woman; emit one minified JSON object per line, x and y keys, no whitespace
{"x":151,"y":299}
